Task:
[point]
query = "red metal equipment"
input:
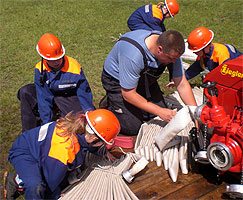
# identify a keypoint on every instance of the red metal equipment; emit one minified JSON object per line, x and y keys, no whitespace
{"x":229,"y":83}
{"x":226,"y":144}
{"x":223,"y":112}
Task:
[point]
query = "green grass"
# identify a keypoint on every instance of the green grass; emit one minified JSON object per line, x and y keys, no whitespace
{"x":86,"y":28}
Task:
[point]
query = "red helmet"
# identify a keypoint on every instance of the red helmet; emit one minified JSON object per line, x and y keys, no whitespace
{"x":104,"y":123}
{"x":172,"y":6}
{"x":199,"y":38}
{"x":49,"y":47}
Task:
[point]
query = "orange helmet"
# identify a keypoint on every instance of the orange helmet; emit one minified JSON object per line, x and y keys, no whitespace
{"x":104,"y":123}
{"x":172,"y":6}
{"x":49,"y":47}
{"x":199,"y":38}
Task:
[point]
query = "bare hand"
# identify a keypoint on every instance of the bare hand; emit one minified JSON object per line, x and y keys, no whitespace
{"x":110,"y":157}
{"x":167,"y":114}
{"x":160,"y":4}
{"x":170,"y":84}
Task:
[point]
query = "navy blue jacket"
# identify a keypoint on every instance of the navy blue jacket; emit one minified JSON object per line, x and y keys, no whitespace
{"x":69,"y":80}
{"x":147,"y":17}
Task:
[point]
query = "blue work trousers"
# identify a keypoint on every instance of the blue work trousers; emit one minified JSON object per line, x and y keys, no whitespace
{"x":34,"y":184}
{"x":30,"y":117}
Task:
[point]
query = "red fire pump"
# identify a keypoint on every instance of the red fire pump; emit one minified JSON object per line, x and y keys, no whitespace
{"x":225,"y":149}
{"x":223,"y":89}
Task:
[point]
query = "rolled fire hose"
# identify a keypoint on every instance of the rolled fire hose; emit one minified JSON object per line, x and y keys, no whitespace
{"x":145,"y":145}
{"x":103,"y":180}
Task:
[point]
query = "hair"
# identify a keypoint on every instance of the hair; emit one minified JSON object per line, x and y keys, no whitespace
{"x":172,"y":40}
{"x":71,"y":125}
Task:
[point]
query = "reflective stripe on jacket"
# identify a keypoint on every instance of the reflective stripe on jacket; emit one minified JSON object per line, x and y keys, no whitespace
{"x":218,"y":54}
{"x":53,"y":153}
{"x":68,"y":81}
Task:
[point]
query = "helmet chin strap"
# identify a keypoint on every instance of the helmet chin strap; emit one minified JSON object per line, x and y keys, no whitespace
{"x":60,"y":67}
{"x":166,"y":13}
{"x":204,"y":51}
{"x":95,"y":141}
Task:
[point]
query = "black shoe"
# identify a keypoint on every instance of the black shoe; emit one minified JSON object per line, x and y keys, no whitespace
{"x":11,"y":188}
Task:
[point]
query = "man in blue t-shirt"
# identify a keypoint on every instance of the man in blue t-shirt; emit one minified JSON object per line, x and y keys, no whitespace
{"x":130,"y":77}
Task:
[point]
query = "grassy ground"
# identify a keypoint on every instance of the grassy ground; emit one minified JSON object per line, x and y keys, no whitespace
{"x":86,"y":29}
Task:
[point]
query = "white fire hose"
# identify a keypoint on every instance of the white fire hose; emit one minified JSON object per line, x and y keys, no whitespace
{"x":128,"y":175}
{"x":188,"y":54}
{"x":177,"y":124}
{"x":103,"y":179}
{"x":156,"y":141}
{"x":167,"y":143}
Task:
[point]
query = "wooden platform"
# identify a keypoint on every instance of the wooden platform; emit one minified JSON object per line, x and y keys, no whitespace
{"x":154,"y":183}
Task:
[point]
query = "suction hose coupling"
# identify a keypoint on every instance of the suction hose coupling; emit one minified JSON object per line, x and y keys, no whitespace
{"x":220,"y":156}
{"x":234,"y":191}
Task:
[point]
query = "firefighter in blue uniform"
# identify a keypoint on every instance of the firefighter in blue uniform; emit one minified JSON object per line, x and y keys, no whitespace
{"x":43,"y":156}
{"x":59,"y":82}
{"x":151,"y":17}
{"x":210,"y":55}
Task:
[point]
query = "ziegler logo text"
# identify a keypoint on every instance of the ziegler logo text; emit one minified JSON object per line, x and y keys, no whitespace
{"x":226,"y":70}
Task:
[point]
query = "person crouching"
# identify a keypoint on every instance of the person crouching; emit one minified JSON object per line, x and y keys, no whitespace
{"x":43,"y":156}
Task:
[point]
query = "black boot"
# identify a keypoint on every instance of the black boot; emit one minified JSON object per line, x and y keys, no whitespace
{"x":11,"y":188}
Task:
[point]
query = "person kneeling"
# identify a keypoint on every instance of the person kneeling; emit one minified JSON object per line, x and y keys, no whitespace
{"x":43,"y":156}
